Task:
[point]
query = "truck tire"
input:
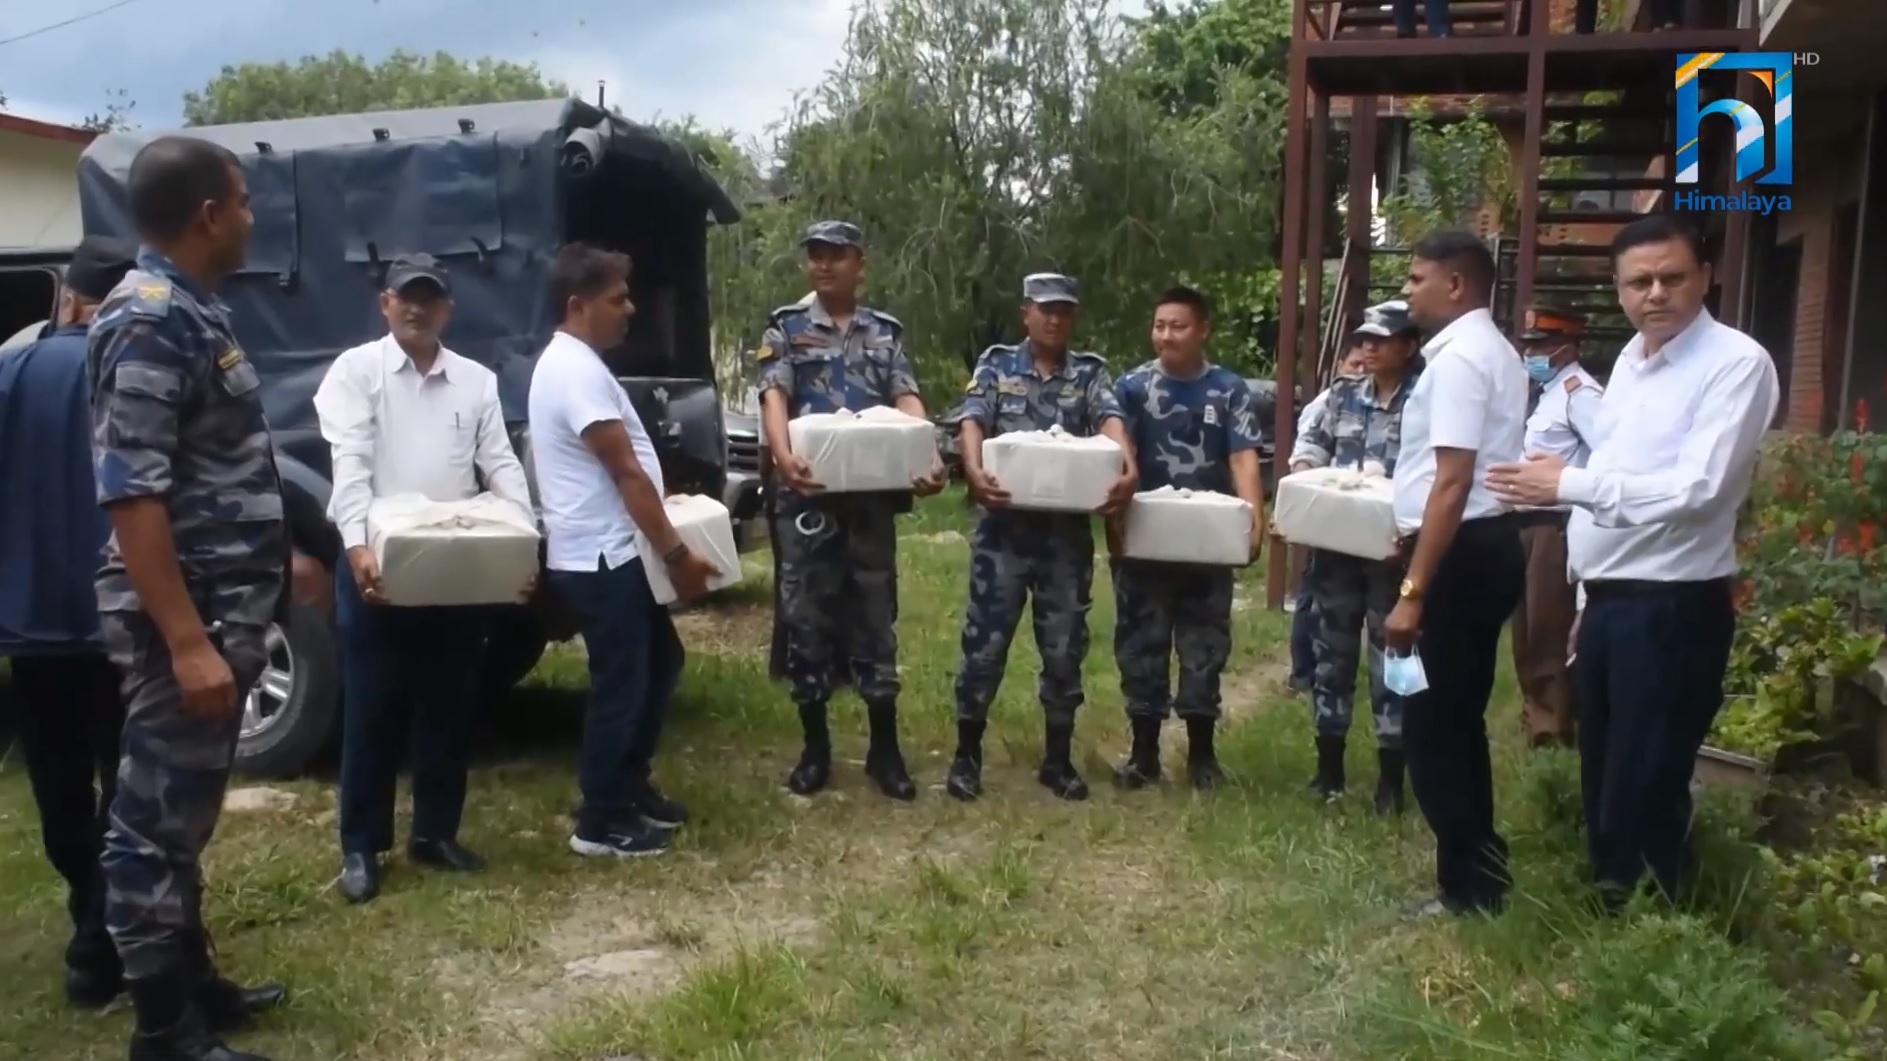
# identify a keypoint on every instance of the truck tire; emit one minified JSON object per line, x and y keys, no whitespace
{"x":291,"y":716}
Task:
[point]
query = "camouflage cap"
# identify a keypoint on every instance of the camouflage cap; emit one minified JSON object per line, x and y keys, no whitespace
{"x":833,"y":233}
{"x":1386,"y":320}
{"x":1050,"y":287}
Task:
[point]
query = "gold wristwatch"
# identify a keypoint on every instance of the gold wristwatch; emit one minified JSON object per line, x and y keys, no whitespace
{"x":1409,"y":590}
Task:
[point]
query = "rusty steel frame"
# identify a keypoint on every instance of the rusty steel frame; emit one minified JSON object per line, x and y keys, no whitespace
{"x":1307,"y":117}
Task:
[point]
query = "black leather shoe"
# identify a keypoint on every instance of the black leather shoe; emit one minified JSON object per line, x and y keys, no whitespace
{"x":228,"y":1006}
{"x":94,"y":986}
{"x":360,"y":878}
{"x":813,"y":772}
{"x":445,"y":855}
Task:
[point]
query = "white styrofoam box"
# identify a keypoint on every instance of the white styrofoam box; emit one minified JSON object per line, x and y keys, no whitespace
{"x":1188,"y":527}
{"x":1339,"y":509}
{"x":479,"y":551}
{"x":878,"y":449}
{"x":1054,"y":471}
{"x":706,"y":527}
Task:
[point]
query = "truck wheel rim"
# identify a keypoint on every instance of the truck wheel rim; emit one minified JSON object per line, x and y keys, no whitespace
{"x":264,"y":704}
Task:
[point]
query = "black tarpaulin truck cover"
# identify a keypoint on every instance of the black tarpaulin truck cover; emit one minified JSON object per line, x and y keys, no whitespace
{"x":478,"y":187}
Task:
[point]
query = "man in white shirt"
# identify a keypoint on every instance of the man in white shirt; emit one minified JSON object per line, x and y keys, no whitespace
{"x":1652,"y":541}
{"x":1464,"y":563}
{"x":405,"y":415}
{"x":600,"y":484}
{"x":1563,"y":423}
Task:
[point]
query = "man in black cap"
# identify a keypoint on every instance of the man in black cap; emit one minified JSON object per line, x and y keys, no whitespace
{"x":405,"y":415}
{"x":51,"y":535}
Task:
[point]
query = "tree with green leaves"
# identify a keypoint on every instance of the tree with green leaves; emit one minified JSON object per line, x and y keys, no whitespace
{"x":343,"y":83}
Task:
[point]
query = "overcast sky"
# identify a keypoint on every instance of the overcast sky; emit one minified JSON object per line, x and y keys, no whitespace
{"x":730,"y":63}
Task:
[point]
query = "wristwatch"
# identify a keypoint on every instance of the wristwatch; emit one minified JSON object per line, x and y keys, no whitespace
{"x":681,"y":549}
{"x":1409,"y":590}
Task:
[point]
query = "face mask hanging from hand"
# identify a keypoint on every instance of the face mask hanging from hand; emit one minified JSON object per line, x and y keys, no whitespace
{"x":1403,"y":675}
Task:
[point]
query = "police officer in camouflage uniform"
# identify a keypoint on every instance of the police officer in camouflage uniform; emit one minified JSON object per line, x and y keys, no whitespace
{"x":1016,"y":556}
{"x":195,"y":571}
{"x":1192,"y":427}
{"x":1361,"y":425}
{"x":837,"y":593}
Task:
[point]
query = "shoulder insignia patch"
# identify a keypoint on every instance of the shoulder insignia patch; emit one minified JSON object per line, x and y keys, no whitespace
{"x":763,"y":353}
{"x":1086,"y":355}
{"x":151,"y":298}
{"x":1573,"y":383}
{"x":229,"y":359}
{"x":896,"y":324}
{"x":970,"y":387}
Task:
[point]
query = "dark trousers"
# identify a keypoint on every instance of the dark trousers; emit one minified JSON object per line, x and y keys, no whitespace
{"x":409,"y":679}
{"x":1444,"y":728}
{"x":1303,"y":628}
{"x":1650,"y":681}
{"x":635,"y":663}
{"x":70,"y":720}
{"x":1435,"y":12}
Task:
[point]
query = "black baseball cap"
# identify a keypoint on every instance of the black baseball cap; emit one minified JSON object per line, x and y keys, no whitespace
{"x":98,"y":264}
{"x":410,"y":269}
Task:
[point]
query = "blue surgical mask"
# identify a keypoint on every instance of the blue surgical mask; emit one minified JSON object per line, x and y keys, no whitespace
{"x":1540,"y":367}
{"x":1403,"y":675}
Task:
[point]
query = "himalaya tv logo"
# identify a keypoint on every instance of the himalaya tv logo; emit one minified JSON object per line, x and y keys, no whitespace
{"x":1765,"y":153}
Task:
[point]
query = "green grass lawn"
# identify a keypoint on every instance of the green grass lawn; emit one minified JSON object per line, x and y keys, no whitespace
{"x":1251,"y":923}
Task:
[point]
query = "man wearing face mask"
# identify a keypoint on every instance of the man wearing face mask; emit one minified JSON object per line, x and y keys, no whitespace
{"x":406,"y":415}
{"x":52,"y":533}
{"x":1563,"y":421}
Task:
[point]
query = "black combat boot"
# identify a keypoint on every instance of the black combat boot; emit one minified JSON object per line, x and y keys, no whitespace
{"x":1142,"y":767}
{"x":225,"y":1005}
{"x":1389,"y":798}
{"x":1202,"y":763}
{"x":169,"y":1027}
{"x":1329,"y":780}
{"x":814,"y":770}
{"x":1058,"y":773}
{"x":884,"y":763}
{"x":966,"y":767}
{"x":94,"y":975}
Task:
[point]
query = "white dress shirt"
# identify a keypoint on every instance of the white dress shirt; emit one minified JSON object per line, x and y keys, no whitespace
{"x":1472,"y":395}
{"x":1565,"y":421}
{"x":584,"y":517}
{"x":1680,"y":429}
{"x":396,"y":431}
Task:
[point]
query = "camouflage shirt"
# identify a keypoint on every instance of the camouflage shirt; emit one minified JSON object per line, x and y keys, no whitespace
{"x":1006,"y":393}
{"x":1185,"y":431}
{"x":824,"y":369}
{"x":177,"y":415}
{"x":1357,"y":425}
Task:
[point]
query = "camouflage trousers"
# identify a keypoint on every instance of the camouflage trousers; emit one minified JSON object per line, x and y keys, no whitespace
{"x":1348,"y":596}
{"x":1046,"y":560}
{"x":1163,"y":610}
{"x":171,"y":778}
{"x":838,"y":598}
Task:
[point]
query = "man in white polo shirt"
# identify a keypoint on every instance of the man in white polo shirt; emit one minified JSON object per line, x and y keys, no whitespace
{"x":1465,"y":565}
{"x":1652,"y":541}
{"x":405,"y":415}
{"x":600,"y":484}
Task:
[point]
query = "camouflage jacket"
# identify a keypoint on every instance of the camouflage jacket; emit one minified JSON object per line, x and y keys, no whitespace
{"x":1357,"y":426}
{"x":177,"y":415}
{"x":823,"y":369}
{"x":1184,"y":432}
{"x":1006,"y":393}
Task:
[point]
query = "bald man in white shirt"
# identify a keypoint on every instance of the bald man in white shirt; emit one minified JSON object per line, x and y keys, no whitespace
{"x":405,"y":415}
{"x":1652,"y":541}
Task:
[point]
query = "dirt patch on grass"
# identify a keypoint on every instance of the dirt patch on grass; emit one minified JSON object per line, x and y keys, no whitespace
{"x":739,"y":627}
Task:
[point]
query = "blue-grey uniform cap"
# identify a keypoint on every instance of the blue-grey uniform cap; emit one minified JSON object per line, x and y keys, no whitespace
{"x":835,"y":233}
{"x":1051,"y":287}
{"x":1387,"y":320}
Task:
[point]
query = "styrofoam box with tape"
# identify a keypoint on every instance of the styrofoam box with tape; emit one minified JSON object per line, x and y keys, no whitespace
{"x":1340,"y":509}
{"x":478,"y":551}
{"x":1054,"y":471}
{"x":1188,"y":527}
{"x":706,"y":527}
{"x":877,"y":449}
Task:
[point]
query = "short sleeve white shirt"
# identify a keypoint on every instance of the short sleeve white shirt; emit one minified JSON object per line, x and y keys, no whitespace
{"x":1472,"y":395}
{"x":585,"y":520}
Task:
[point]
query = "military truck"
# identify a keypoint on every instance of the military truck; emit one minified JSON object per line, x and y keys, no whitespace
{"x":492,"y":191}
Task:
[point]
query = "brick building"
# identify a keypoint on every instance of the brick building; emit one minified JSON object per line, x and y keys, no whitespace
{"x":1818,"y":274}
